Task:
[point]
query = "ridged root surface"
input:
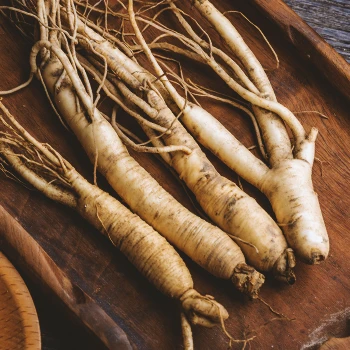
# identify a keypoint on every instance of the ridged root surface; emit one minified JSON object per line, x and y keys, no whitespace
{"x":247,"y":280}
{"x":203,"y":310}
{"x":295,"y":203}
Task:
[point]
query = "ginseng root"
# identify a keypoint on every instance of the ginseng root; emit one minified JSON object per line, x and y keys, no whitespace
{"x":287,"y":183}
{"x":224,"y":202}
{"x":44,"y":168}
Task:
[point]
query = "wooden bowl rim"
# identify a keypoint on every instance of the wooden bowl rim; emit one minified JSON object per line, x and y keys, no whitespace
{"x":23,"y":300}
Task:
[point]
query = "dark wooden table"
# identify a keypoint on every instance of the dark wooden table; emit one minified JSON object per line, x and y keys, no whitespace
{"x":331,"y":19}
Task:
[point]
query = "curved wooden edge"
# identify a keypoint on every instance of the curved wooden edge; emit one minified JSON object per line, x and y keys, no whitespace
{"x":336,"y":344}
{"x":29,"y":255}
{"x":309,"y":44}
{"x":21,"y":297}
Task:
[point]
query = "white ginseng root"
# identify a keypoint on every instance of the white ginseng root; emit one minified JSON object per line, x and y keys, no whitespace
{"x":234,"y":211}
{"x":287,"y":184}
{"x":43,"y":168}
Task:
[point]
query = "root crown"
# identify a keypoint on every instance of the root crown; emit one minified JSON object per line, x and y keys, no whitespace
{"x":316,"y":257}
{"x":283,"y":268}
{"x":247,"y":280}
{"x":203,"y":310}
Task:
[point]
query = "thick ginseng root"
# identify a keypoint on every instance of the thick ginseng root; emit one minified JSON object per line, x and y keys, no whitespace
{"x":204,"y":243}
{"x":226,"y":204}
{"x":291,"y":199}
{"x":288,"y":184}
{"x":148,"y":251}
{"x":267,"y":244}
{"x":300,"y":218}
{"x":289,"y":188}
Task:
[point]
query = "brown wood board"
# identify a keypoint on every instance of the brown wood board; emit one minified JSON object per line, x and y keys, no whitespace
{"x":320,"y":299}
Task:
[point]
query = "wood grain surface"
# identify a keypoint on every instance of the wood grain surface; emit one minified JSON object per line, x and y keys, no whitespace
{"x":309,"y":44}
{"x":18,"y":318}
{"x":330,"y":19}
{"x":336,"y":344}
{"x":319,"y":301}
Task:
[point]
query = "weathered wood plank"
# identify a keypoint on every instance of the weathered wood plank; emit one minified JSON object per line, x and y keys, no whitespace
{"x":330,"y":18}
{"x":310,"y":45}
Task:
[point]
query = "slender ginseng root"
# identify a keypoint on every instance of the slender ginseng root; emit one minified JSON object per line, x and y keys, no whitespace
{"x":204,"y":243}
{"x":150,"y":253}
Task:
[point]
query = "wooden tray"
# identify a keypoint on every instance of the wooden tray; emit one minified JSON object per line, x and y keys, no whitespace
{"x":320,"y":299}
{"x":18,"y":318}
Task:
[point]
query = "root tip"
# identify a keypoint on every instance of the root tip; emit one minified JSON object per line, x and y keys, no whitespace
{"x":316,"y":258}
{"x":283,"y":268}
{"x":247,"y":280}
{"x":203,"y":310}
